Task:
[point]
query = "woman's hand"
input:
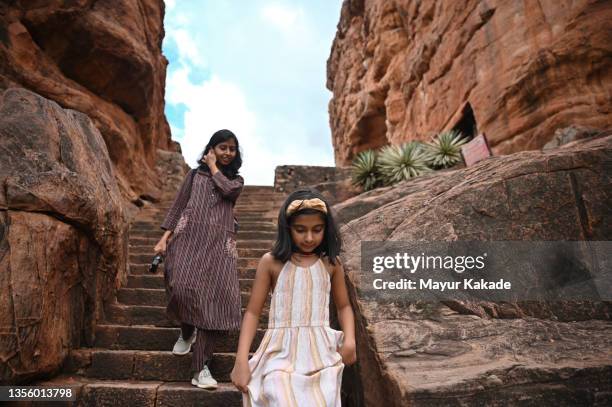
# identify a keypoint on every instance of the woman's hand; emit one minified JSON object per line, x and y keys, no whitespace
{"x":241,"y":375}
{"x":348,"y":351}
{"x":161,"y":246}
{"x":210,"y":158}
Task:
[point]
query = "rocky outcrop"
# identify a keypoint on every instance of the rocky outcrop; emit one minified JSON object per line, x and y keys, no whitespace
{"x":102,"y":58}
{"x":63,"y":233}
{"x":451,"y":353}
{"x":402,"y":70}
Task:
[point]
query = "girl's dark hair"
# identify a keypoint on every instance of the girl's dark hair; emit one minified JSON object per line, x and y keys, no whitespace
{"x":231,"y":170}
{"x":283,"y":247}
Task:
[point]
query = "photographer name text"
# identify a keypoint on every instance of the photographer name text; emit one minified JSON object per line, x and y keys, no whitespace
{"x":430,"y":284}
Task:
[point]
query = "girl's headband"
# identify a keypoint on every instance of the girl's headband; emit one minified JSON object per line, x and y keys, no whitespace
{"x":314,"y":203}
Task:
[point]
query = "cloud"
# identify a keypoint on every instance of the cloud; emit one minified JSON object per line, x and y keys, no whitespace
{"x":281,"y":16}
{"x":188,"y":50}
{"x":170,"y":4}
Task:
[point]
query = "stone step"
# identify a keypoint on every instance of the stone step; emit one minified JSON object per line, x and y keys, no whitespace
{"x":248,"y":263}
{"x":252,"y":210}
{"x":153,"y":296}
{"x":154,"y":229}
{"x":157,"y":281}
{"x":241,"y":244}
{"x":250,"y":217}
{"x":255,"y":244}
{"x":243,"y":262}
{"x":157,"y":338}
{"x":144,"y":241}
{"x":143,"y":365}
{"x":146,"y":253}
{"x":119,"y":393}
{"x":143,"y":268}
{"x":150,"y":242}
{"x":128,"y":315}
{"x":241,"y":235}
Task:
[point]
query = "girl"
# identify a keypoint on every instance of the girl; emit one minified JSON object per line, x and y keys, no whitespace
{"x":298,"y":357}
{"x":200,"y":273}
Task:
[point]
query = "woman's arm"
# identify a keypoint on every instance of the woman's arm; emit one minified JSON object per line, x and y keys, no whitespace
{"x":241,"y":374}
{"x":229,"y":188}
{"x":161,"y":246}
{"x":345,"y":315}
{"x":175,"y":211}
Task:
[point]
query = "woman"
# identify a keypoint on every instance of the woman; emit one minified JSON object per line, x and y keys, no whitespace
{"x":200,"y":272}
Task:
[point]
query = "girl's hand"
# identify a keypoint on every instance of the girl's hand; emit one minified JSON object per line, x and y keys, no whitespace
{"x":348,"y":351}
{"x":160,"y":247}
{"x":241,"y":376}
{"x":210,"y":158}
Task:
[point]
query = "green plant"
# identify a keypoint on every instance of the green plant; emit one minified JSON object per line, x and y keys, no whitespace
{"x":445,"y":149}
{"x":399,"y":163}
{"x":365,"y":170}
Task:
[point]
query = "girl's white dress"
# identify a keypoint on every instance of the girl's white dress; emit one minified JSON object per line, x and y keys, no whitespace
{"x":297,"y":362}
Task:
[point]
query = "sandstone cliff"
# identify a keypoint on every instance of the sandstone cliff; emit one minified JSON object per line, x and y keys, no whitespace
{"x":101,"y":58}
{"x":516,"y":70}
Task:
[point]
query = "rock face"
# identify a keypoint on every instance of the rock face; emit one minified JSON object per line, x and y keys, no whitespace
{"x":63,"y":233}
{"x":402,"y":70}
{"x":102,"y":58}
{"x":434,"y":354}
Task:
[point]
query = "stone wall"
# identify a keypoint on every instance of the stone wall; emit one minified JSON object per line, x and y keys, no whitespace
{"x":333,"y":182}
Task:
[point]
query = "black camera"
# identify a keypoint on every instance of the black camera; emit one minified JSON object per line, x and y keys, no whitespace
{"x":157,"y":260}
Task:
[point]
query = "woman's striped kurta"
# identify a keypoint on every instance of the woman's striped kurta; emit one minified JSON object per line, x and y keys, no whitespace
{"x":201,"y":258}
{"x":297,"y":362}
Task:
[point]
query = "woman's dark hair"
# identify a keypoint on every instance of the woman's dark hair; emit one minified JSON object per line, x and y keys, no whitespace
{"x":231,"y":170}
{"x":283,"y":247}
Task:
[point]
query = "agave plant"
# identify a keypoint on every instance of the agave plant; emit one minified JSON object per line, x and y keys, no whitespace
{"x":399,"y":163}
{"x":445,"y":150}
{"x":365,"y":170}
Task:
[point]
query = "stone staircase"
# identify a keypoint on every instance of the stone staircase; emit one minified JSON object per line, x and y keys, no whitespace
{"x":131,"y":363}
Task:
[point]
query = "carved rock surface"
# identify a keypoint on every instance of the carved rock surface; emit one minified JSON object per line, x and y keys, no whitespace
{"x":102,"y":58}
{"x":63,"y":233}
{"x":401,"y":70}
{"x":435,"y":354}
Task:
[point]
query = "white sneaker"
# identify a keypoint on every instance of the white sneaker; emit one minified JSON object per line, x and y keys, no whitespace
{"x":182,"y":347}
{"x":204,"y":379}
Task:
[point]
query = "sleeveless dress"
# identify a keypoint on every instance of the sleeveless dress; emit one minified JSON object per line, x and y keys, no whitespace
{"x":297,"y":362}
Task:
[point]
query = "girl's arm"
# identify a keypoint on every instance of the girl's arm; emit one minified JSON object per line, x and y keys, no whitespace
{"x":345,"y":315}
{"x":241,"y":374}
{"x":229,"y":188}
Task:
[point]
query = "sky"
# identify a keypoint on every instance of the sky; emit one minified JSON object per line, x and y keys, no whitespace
{"x":256,"y":67}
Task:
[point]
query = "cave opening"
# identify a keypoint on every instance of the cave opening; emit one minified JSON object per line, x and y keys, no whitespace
{"x":467,"y":123}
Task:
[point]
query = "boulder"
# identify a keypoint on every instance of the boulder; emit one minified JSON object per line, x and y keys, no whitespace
{"x":455,"y":353}
{"x":63,"y":233}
